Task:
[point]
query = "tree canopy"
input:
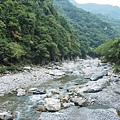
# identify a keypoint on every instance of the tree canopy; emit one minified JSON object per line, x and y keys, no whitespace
{"x":32,"y":31}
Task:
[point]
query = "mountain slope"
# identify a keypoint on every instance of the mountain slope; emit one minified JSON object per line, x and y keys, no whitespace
{"x":106,"y":10}
{"x":108,"y":13}
{"x":33,"y":32}
{"x":91,"y":29}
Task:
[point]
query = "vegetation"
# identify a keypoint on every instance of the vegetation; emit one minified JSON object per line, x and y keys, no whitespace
{"x":92,"y":31}
{"x":108,"y":13}
{"x":106,"y":10}
{"x":111,"y":52}
{"x":31,"y":31}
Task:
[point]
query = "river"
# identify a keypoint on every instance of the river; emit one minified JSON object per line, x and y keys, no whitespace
{"x":79,"y":75}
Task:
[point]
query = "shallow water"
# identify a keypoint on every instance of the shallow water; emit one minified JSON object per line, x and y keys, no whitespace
{"x":26,"y":106}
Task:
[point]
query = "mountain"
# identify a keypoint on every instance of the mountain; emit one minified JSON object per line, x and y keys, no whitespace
{"x":32,"y":31}
{"x":106,"y":10}
{"x":92,"y":30}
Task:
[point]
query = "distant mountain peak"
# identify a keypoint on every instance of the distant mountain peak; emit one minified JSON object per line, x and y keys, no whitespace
{"x":104,"y":9}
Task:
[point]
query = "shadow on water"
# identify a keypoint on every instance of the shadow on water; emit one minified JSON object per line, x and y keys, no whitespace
{"x":72,"y":78}
{"x":98,"y":106}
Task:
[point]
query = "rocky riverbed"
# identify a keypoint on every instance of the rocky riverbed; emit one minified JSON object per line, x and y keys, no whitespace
{"x":74,"y":90}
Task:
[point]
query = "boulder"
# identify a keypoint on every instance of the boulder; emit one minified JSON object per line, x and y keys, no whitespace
{"x":6,"y":116}
{"x":94,"y":86}
{"x":56,"y":73}
{"x":98,"y":75}
{"x":55,"y":91}
{"x":82,"y":113}
{"x":79,"y":101}
{"x":32,"y":89}
{"x":66,"y":105}
{"x":21,"y":92}
{"x":41,"y":108}
{"x":52,"y":104}
{"x":63,"y":97}
{"x":27,"y":68}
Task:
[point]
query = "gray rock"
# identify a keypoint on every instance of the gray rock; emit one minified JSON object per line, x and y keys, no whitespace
{"x":99,"y":75}
{"x":115,"y":79}
{"x":79,"y":101}
{"x":21,"y":92}
{"x":41,"y":108}
{"x":52,"y":104}
{"x":32,"y":89}
{"x":94,"y":86}
{"x":63,"y":97}
{"x":6,"y":116}
{"x":109,"y":96}
{"x":55,"y":91}
{"x":39,"y":91}
{"x":74,"y":113}
{"x":66,"y":105}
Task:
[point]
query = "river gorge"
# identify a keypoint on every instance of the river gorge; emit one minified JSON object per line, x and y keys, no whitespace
{"x":72,"y":90}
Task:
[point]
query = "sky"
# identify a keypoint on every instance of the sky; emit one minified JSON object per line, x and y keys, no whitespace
{"x":111,"y":2}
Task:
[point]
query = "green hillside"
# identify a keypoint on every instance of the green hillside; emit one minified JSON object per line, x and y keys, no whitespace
{"x":111,"y":52}
{"x":32,"y":31}
{"x":92,"y":30}
{"x":106,"y":10}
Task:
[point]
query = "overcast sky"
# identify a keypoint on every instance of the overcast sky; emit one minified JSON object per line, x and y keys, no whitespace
{"x":111,"y":2}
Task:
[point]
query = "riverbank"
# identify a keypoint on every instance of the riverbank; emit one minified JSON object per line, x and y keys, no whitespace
{"x":81,"y":86}
{"x":31,"y":77}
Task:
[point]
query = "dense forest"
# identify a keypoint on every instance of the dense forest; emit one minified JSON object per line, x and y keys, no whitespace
{"x":108,"y":13}
{"x":92,"y":30}
{"x":32,"y":31}
{"x":111,"y":52}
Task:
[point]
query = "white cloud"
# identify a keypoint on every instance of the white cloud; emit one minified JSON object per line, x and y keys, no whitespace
{"x":111,"y":2}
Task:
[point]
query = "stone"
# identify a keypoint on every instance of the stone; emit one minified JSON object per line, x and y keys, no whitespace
{"x":52,"y":104}
{"x":115,"y":79}
{"x":109,"y":96}
{"x":40,"y":91}
{"x":60,"y":87}
{"x":41,"y":102}
{"x":6,"y":116}
{"x":98,"y":75}
{"x":32,"y":89}
{"x":20,"y":92}
{"x":55,"y":91}
{"x":27,"y":68}
{"x":63,"y":97}
{"x":94,"y":86}
{"x":49,"y":95}
{"x":66,"y":105}
{"x":79,"y":101}
{"x":41,"y":108}
{"x":81,"y":113}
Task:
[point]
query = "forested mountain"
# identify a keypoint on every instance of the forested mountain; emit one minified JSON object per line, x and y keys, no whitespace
{"x":108,"y":13}
{"x":111,"y":52}
{"x":106,"y":10}
{"x":31,"y":31}
{"x":92,"y":30}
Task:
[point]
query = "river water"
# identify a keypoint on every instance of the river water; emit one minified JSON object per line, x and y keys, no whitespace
{"x":26,"y":106}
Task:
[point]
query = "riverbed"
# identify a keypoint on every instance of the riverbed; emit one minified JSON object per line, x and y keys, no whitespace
{"x":72,"y":78}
